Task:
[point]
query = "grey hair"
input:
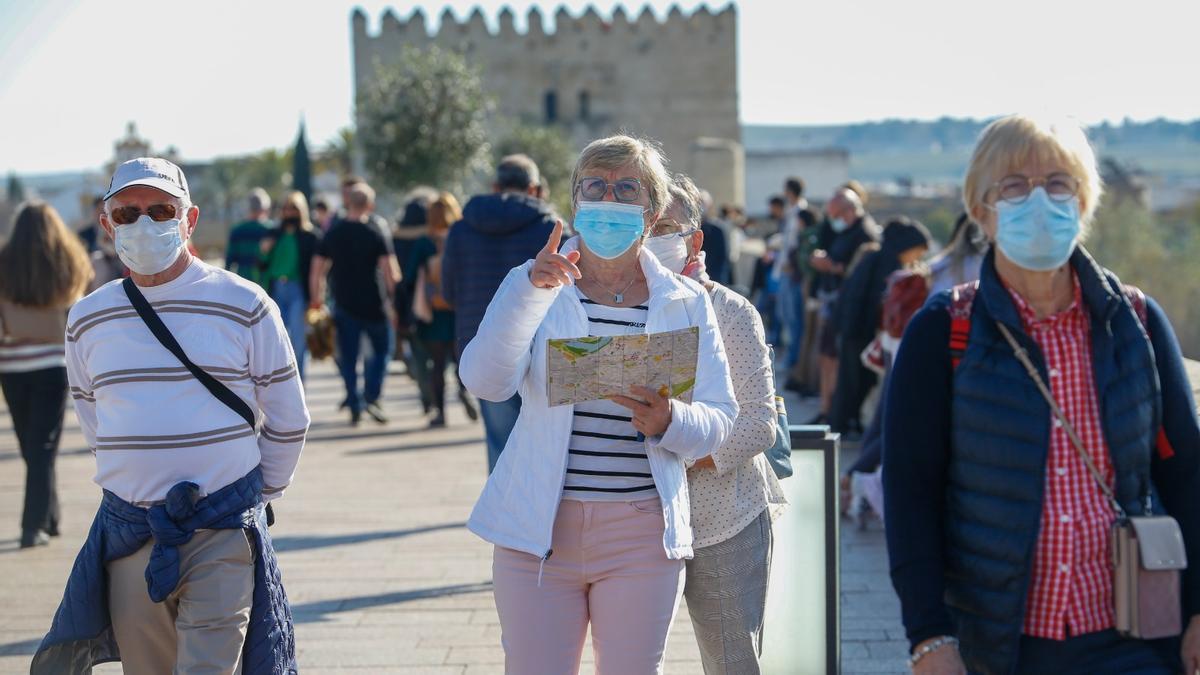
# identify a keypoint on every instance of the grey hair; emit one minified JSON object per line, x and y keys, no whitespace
{"x":688,"y":198}
{"x":622,"y":150}
{"x":361,"y":196}
{"x":259,"y":200}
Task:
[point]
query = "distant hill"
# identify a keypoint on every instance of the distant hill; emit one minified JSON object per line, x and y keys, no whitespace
{"x":938,"y":151}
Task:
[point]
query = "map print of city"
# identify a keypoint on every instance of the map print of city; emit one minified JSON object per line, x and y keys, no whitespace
{"x":591,"y":368}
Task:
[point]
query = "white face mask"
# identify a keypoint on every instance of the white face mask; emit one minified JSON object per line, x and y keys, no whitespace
{"x":670,"y":249}
{"x":148,"y":247}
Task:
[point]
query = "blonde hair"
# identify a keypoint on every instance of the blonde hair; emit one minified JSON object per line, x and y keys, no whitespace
{"x":622,"y":150}
{"x":1010,"y":142}
{"x":443,"y":212}
{"x":296,"y":200}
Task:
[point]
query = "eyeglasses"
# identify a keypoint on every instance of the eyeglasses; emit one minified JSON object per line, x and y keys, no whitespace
{"x":593,"y":189}
{"x":1015,"y":189}
{"x":666,"y":227}
{"x":124,"y":215}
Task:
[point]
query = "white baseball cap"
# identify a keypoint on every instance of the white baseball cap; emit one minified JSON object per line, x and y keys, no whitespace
{"x":152,"y":172}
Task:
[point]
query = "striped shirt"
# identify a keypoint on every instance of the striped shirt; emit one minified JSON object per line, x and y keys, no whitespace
{"x":25,"y":357}
{"x":150,"y":423}
{"x":606,"y":459}
{"x":20,"y":355}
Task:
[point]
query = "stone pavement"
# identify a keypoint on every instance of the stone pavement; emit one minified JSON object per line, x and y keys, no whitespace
{"x":382,"y":574}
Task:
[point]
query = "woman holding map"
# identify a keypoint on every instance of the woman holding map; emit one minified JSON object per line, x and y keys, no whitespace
{"x":623,"y":379}
{"x":734,"y":492}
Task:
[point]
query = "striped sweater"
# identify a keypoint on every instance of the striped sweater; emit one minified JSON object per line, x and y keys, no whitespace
{"x":21,"y":354}
{"x":149,"y":422}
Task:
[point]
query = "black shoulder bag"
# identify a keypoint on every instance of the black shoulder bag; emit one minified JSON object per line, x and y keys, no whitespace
{"x":212,"y":384}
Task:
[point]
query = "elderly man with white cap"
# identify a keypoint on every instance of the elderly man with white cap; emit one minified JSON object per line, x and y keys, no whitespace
{"x":186,"y":389}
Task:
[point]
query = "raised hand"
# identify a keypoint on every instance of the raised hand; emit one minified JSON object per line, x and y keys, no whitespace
{"x":552,"y":269}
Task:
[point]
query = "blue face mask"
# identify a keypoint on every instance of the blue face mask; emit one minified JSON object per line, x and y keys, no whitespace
{"x":1040,"y":233}
{"x":839,"y":225}
{"x":609,"y":228}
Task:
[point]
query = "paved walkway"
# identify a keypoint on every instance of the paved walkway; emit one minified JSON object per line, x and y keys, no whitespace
{"x":383,"y":576}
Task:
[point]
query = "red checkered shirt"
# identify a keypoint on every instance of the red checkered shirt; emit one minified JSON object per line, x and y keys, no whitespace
{"x":1070,"y":588}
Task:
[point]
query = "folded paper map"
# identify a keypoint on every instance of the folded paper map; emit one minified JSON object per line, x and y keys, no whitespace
{"x":591,"y":368}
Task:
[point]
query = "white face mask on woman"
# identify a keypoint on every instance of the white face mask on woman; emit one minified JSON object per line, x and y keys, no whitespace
{"x":670,"y":249}
{"x":147,"y":246}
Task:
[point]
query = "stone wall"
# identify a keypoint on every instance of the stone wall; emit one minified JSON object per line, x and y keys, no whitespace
{"x":673,"y":80}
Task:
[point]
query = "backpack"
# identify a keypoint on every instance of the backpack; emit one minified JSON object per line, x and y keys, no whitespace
{"x":962,"y":298}
{"x":906,"y":292}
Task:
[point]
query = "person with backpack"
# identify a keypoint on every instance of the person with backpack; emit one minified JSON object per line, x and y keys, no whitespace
{"x":1032,"y":417}
{"x":735,"y":494}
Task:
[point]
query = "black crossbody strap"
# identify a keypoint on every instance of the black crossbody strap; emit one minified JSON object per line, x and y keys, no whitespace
{"x":159,"y":329}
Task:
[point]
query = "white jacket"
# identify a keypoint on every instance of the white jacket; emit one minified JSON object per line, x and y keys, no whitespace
{"x":508,"y":356}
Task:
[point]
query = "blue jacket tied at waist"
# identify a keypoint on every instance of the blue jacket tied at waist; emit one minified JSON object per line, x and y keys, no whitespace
{"x":82,"y":634}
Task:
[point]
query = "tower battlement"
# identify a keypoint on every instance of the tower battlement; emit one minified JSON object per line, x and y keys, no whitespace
{"x":674,"y":79}
{"x":589,"y":23}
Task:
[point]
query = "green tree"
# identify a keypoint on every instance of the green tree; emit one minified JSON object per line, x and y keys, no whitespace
{"x":301,"y":166}
{"x":551,"y":150}
{"x":422,"y":120}
{"x":1157,"y":253}
{"x":338,"y":155}
{"x":16,"y":190}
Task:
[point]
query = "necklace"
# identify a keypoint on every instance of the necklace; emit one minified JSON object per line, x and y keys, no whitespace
{"x":617,"y":297}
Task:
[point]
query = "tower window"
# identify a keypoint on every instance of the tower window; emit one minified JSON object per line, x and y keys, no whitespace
{"x":585,"y":106}
{"x":551,"y":107}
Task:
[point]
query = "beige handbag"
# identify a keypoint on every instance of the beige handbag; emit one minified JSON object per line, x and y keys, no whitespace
{"x":1147,"y":551}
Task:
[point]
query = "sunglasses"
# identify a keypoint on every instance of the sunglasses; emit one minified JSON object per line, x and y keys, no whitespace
{"x":124,"y":215}
{"x":593,"y":189}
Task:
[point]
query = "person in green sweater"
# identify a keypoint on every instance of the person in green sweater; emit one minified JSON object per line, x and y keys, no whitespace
{"x":285,"y":259}
{"x":241,"y":254}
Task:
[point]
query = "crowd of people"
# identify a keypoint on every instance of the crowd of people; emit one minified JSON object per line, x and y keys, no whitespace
{"x":1030,"y":406}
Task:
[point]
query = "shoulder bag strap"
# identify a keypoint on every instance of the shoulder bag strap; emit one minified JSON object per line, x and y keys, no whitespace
{"x":1023,"y":357}
{"x":159,"y":329}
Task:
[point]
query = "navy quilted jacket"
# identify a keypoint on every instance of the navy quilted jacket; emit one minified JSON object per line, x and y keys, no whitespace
{"x":82,"y":634}
{"x":497,"y":233}
{"x":965,"y":455}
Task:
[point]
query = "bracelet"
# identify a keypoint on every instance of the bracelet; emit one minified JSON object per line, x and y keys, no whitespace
{"x":931,"y":647}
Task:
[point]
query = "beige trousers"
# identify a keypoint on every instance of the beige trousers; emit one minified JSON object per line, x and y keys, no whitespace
{"x":201,"y":626}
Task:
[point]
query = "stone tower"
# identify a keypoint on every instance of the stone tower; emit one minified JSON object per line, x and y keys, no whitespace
{"x":674,"y":80}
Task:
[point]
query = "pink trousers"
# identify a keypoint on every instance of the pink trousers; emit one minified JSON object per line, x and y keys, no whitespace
{"x":609,"y":568}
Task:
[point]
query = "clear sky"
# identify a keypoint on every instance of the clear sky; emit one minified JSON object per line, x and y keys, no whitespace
{"x":221,"y":77}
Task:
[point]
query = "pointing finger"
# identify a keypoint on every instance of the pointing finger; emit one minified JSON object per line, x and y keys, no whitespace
{"x":555,"y":238}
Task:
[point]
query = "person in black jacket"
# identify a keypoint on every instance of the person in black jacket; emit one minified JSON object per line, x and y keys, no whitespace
{"x":858,"y":310}
{"x":287,"y":253}
{"x":498,"y":232}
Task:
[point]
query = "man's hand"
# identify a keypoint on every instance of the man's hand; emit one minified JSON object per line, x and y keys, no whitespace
{"x":1190,"y":649}
{"x":651,"y":411}
{"x":944,"y":661}
{"x":550,"y":268}
{"x":705,"y":463}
